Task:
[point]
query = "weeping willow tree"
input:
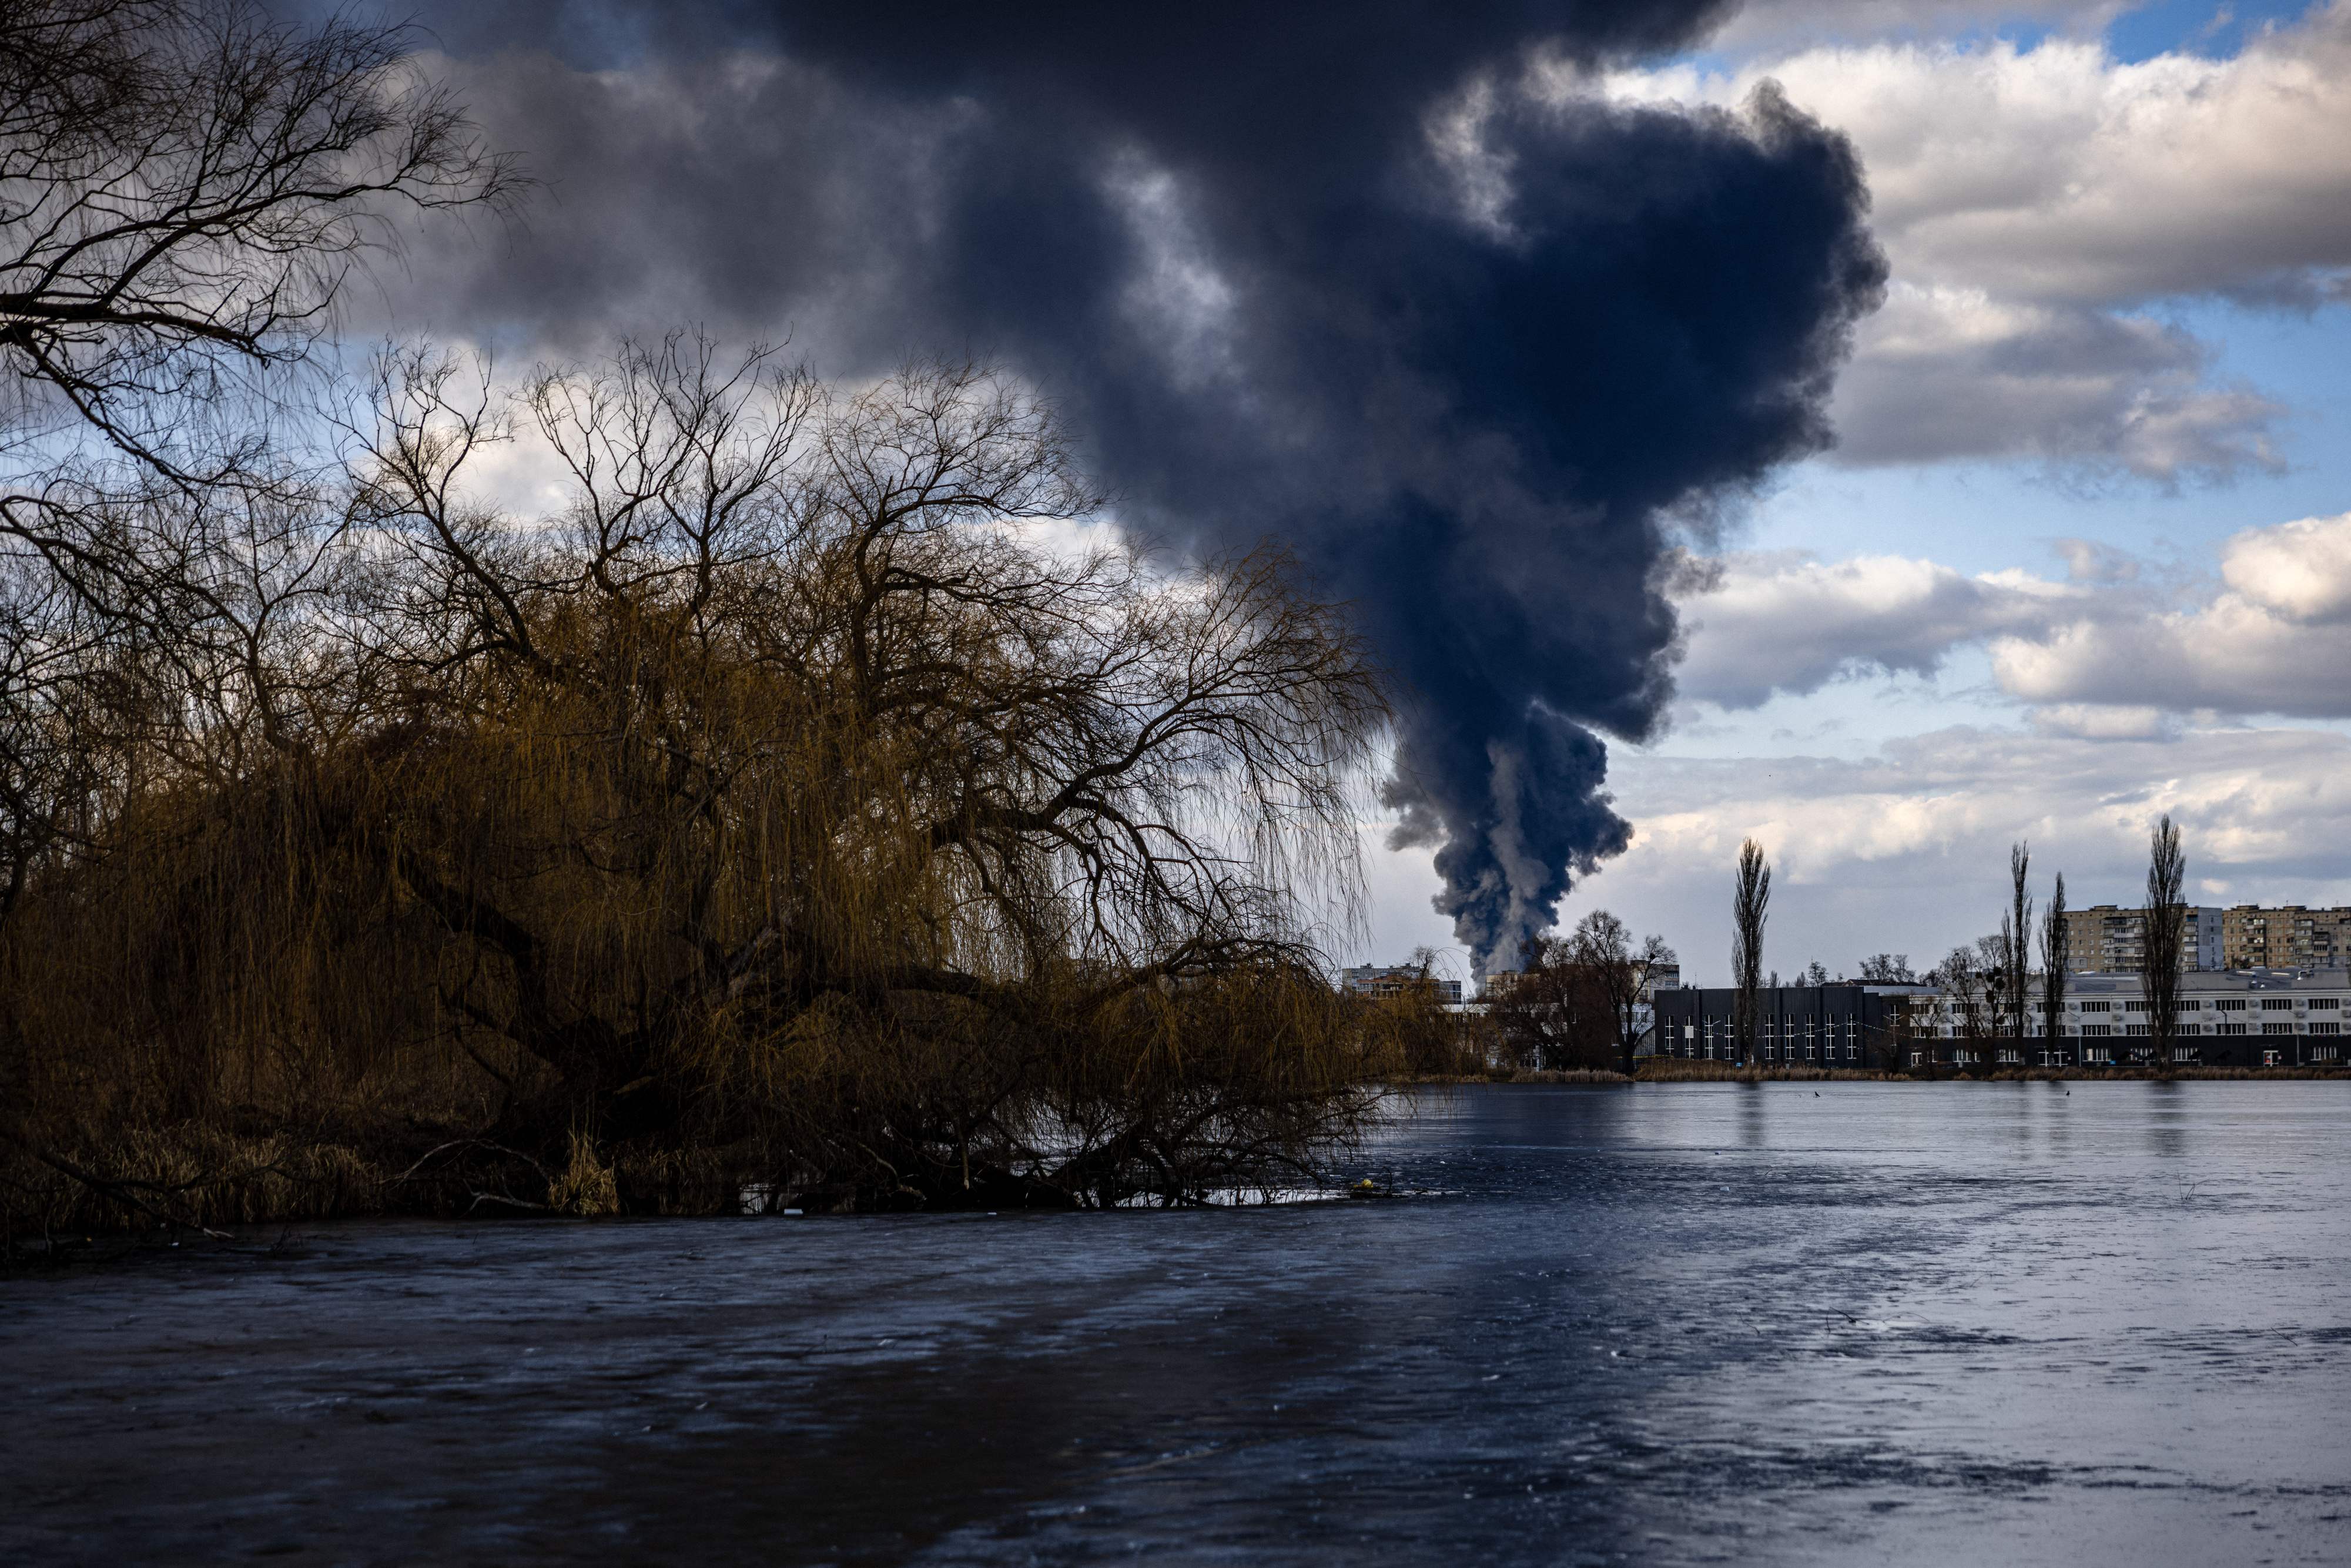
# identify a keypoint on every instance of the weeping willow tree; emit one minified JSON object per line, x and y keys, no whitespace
{"x":774,"y":812}
{"x":776,"y":802}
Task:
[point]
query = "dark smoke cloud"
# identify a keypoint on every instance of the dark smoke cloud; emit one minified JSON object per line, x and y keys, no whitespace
{"x":1328,"y":273}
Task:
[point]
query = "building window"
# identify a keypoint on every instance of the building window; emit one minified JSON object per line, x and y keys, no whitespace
{"x":2231,"y":1004}
{"x":2277,"y":1029}
{"x":2097,"y":1007}
{"x":2135,"y":1028}
{"x":2228,"y":1029}
{"x":2276,"y":1004}
{"x":2324,"y":1025}
{"x":2327,"y":1002}
{"x":2134,"y":1006}
{"x":2097,"y":1028}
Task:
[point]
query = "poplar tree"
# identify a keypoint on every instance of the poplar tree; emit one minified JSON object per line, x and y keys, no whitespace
{"x":2056,"y":940}
{"x":1750,"y":907}
{"x":2165,"y":923}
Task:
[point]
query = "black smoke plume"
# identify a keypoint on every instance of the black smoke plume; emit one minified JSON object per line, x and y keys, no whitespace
{"x":1379,"y":280}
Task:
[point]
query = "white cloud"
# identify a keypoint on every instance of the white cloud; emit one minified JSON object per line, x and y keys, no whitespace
{"x":1952,"y":373}
{"x":1780,"y":25}
{"x":2084,"y":721}
{"x":1772,"y":624}
{"x":1905,"y":847}
{"x":2276,"y":639}
{"x":1901,"y":844}
{"x":2301,"y":570}
{"x":2271,"y":635}
{"x":2057,"y":173}
{"x":2035,"y":202}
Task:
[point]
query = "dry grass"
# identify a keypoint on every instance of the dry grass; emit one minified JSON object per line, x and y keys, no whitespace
{"x":1683,"y":1070}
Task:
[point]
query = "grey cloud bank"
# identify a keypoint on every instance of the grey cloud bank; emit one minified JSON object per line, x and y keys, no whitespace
{"x":1328,"y":277}
{"x":2269,"y":634}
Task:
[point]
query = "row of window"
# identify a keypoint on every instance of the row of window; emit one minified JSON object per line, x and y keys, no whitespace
{"x":2317,"y":1026}
{"x":1851,"y":1032}
{"x":2223,"y":1004}
{"x":2092,"y":1055}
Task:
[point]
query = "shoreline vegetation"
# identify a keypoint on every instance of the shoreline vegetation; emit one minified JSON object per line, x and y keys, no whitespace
{"x":793,"y":797}
{"x":253,"y":1185}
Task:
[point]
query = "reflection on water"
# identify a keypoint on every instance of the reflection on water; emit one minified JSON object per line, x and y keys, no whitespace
{"x":2100,"y":1324}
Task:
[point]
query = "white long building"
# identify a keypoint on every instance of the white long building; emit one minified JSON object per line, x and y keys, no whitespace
{"x":2274,"y":1018}
{"x":2246,"y":1017}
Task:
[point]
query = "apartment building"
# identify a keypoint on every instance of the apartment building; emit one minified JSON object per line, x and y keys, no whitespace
{"x":2108,"y":939}
{"x":2289,"y":937}
{"x":1396,"y":981}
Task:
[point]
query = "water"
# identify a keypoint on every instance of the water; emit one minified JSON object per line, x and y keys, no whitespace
{"x":1679,"y":1323}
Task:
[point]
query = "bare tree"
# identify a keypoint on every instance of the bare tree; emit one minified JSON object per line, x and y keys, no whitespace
{"x":1426,"y":1037}
{"x":1559,"y":1010}
{"x":1650,"y":965}
{"x":2056,"y":939}
{"x":1894,"y":1040}
{"x":2017,"y":925}
{"x":2165,"y":919}
{"x":1601,"y":946}
{"x":1889,"y":970}
{"x":189,"y":183}
{"x":1973,"y":979}
{"x":1749,"y":908}
{"x":1958,"y":978}
{"x":185,"y":186}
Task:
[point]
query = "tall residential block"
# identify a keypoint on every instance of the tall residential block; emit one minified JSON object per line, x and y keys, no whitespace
{"x":2289,"y":937}
{"x":2108,"y":939}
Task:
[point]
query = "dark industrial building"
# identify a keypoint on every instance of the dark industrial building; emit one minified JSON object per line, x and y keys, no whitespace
{"x":1845,"y":1025}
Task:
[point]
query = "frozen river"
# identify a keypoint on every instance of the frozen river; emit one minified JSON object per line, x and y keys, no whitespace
{"x":1678,"y":1324}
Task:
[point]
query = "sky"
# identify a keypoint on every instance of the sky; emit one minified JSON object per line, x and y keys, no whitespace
{"x":1889,"y":431}
{"x":2083,"y":555}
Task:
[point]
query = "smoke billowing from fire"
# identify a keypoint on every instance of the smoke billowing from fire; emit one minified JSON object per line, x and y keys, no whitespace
{"x":1338,"y":274}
